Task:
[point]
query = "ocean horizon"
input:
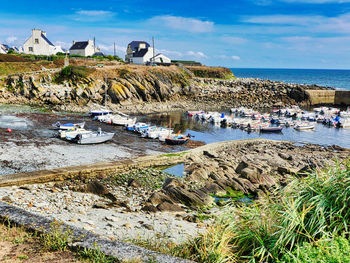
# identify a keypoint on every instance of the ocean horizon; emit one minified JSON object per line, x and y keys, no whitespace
{"x":335,"y":78}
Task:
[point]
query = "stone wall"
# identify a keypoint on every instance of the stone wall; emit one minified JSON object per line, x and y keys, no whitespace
{"x":332,"y":97}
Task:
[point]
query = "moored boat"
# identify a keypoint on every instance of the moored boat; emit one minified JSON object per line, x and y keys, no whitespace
{"x":67,"y":126}
{"x":271,"y":129}
{"x":304,"y":126}
{"x":94,"y":137}
{"x":177,"y":140}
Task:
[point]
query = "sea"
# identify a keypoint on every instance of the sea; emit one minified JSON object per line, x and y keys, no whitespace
{"x":335,"y":78}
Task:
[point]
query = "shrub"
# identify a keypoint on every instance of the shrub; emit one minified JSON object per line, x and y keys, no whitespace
{"x":73,"y":73}
{"x":288,"y":222}
{"x":336,"y":250}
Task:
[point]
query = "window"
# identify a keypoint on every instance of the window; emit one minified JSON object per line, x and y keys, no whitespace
{"x":30,"y":49}
{"x":36,"y":41}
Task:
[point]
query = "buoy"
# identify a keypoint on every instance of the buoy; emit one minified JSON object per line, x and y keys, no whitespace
{"x":9,"y":130}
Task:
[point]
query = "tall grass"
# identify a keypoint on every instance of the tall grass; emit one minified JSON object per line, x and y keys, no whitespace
{"x":310,"y":209}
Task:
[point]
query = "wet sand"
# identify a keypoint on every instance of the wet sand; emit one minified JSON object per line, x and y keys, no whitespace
{"x":32,"y":145}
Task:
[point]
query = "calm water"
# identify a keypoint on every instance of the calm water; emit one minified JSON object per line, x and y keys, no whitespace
{"x":339,"y":79}
{"x":209,"y":133}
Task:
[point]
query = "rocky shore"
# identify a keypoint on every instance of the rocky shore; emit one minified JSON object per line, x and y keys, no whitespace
{"x":143,"y":90}
{"x":147,"y":203}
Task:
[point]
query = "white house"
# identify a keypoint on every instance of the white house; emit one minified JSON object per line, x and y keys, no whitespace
{"x":140,"y":52}
{"x":38,"y":44}
{"x":3,"y":49}
{"x":161,"y":58}
{"x":83,"y":48}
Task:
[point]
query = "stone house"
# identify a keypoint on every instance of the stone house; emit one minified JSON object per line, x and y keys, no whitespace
{"x":38,"y":44}
{"x":83,"y":48}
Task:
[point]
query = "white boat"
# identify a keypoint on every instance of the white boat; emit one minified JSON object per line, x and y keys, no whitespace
{"x":67,"y":126}
{"x":159,"y":132}
{"x":304,"y":126}
{"x":99,"y":112}
{"x":94,"y":137}
{"x":71,"y":134}
{"x":123,"y":121}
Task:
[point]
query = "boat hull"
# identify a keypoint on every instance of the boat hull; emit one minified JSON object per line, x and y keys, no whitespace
{"x":181,"y":141}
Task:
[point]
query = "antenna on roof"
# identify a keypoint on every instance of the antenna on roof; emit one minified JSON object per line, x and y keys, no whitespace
{"x":153,"y":50}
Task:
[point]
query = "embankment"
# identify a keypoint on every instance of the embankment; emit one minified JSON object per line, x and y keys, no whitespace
{"x":331,"y":97}
{"x":141,"y":89}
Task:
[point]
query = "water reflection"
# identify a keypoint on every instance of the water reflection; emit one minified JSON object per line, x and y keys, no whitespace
{"x":209,"y":133}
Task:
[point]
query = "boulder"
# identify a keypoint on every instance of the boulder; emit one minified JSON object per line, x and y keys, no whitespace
{"x":169,"y":207}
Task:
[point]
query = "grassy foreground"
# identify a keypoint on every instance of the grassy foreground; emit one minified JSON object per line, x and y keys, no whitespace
{"x":308,"y":221}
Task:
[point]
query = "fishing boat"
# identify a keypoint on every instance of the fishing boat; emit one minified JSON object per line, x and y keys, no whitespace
{"x":177,"y":140}
{"x":94,"y":137}
{"x":193,"y":113}
{"x":271,"y":129}
{"x":71,"y":134}
{"x":99,"y":112}
{"x":67,"y":126}
{"x":304,"y":126}
{"x":123,"y":121}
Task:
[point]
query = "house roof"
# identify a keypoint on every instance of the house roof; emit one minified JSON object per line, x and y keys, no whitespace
{"x":140,"y":53}
{"x":79,"y":45}
{"x":48,"y":41}
{"x":135,"y":44}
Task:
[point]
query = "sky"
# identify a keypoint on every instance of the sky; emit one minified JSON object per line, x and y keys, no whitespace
{"x":231,"y":33}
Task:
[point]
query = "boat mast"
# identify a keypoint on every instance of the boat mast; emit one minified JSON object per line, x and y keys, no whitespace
{"x":106,"y":90}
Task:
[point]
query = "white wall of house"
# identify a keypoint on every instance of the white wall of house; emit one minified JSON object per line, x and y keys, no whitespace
{"x":88,"y":51}
{"x":143,"y":60}
{"x":37,"y":45}
{"x":160,"y":58}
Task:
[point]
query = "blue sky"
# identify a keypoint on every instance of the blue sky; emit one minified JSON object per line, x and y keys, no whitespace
{"x":235,"y":33}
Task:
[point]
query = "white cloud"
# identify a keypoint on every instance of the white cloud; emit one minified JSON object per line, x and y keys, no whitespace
{"x":63,"y":44}
{"x":236,"y":58}
{"x":94,"y":12}
{"x":110,"y":48}
{"x":170,"y":53}
{"x":11,"y":39}
{"x":285,"y":19}
{"x":183,"y":23}
{"x":302,"y":23}
{"x":196,"y":54}
{"x":92,"y":15}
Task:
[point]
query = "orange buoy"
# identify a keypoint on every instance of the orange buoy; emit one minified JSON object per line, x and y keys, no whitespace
{"x":9,"y":130}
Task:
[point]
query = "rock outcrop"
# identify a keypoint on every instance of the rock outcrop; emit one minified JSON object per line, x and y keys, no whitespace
{"x":249,"y":167}
{"x":149,"y":85}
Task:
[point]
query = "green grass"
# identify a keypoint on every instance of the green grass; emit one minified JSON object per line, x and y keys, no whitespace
{"x":73,"y":73}
{"x":307,"y":221}
{"x":179,"y":154}
{"x":57,"y":239}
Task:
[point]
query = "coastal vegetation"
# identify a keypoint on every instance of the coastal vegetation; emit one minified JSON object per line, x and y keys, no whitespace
{"x":211,"y":72}
{"x":307,"y":221}
{"x":73,"y":74}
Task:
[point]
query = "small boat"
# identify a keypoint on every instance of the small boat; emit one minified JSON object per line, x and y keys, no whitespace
{"x":71,"y":134}
{"x":304,"y":126}
{"x":271,"y":129}
{"x":177,"y":140}
{"x":67,"y":126}
{"x":99,"y":112}
{"x":193,"y":113}
{"x":94,"y":137}
{"x":123,"y":121}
